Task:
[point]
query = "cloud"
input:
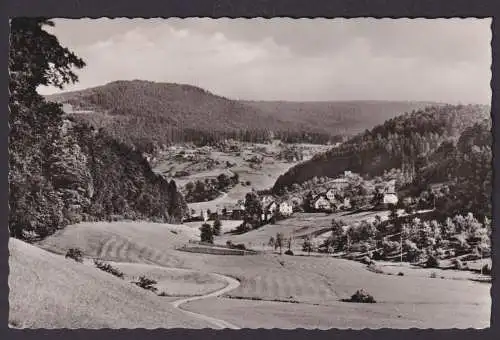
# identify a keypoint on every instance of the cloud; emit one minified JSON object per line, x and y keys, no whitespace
{"x":286,"y":59}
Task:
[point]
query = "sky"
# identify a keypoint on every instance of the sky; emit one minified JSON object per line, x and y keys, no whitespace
{"x":444,"y":60}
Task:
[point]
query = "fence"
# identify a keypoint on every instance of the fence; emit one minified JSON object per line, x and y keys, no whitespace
{"x":214,"y":251}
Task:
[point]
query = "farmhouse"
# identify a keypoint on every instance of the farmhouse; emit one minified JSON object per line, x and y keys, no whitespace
{"x":330,"y":195}
{"x":271,"y":207}
{"x":390,"y":198}
{"x":285,"y":208}
{"x":321,"y":203}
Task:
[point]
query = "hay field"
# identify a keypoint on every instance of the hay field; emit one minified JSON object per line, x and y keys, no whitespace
{"x":49,"y":291}
{"x":308,"y":280}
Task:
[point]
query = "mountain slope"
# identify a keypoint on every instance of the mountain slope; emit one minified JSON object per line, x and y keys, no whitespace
{"x":404,"y":141}
{"x":142,"y":112}
{"x":337,"y":117}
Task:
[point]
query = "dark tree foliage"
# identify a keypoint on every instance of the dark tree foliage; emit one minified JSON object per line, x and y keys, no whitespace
{"x":206,"y":233}
{"x":60,"y":171}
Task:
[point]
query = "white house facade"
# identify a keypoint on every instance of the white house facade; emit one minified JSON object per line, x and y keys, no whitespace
{"x":285,"y":209}
{"x":321,"y":203}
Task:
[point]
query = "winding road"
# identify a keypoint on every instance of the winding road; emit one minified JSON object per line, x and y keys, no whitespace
{"x":231,"y":284}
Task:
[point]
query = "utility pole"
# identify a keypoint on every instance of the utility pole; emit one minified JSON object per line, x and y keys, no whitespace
{"x":401,"y":246}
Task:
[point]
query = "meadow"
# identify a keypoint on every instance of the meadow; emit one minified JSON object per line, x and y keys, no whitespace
{"x":274,"y":291}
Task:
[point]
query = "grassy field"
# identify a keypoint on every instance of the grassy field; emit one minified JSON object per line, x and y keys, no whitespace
{"x":308,"y":280}
{"x":267,"y":314}
{"x":298,"y":226}
{"x":48,"y":291}
{"x":173,"y":281}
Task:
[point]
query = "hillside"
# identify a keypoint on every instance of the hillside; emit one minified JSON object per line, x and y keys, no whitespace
{"x":337,"y":117}
{"x":401,"y":140}
{"x":144,"y":113}
{"x":48,"y":291}
{"x":439,"y":145}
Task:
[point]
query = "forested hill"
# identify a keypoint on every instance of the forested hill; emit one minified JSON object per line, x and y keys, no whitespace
{"x":63,"y":172}
{"x":338,"y":117}
{"x":142,"y":112}
{"x":407,"y":141}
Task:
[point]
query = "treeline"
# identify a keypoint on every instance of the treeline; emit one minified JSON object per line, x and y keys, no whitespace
{"x":63,"y":172}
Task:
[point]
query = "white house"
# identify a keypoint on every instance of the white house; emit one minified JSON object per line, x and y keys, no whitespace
{"x":330,"y":195}
{"x":266,"y":200}
{"x":347,"y":203}
{"x":271,"y":208}
{"x":285,"y":208}
{"x":390,"y":198}
{"x":321,"y":203}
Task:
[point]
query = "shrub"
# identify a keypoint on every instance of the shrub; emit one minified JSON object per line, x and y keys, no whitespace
{"x":361,"y":296}
{"x":433,"y":275}
{"x":457,"y":264}
{"x":108,"y":268}
{"x":248,"y":183}
{"x":146,"y":283}
{"x":75,"y":254}
{"x":239,"y":246}
{"x":366,"y":260}
{"x":373,"y":268}
{"x":401,"y":274}
{"x":432,"y":262}
{"x":289,"y":252}
{"x":486,"y":269}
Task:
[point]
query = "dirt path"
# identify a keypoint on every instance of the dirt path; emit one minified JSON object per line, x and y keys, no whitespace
{"x":232,"y":284}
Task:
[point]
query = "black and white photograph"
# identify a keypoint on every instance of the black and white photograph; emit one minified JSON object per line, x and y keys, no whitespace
{"x":250,"y":173}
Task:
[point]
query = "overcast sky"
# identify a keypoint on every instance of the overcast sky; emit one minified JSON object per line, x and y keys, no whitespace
{"x":445,"y":60}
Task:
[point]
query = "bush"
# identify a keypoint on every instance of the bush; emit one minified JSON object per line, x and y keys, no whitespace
{"x":432,"y":262}
{"x":366,"y":260}
{"x":401,"y":274}
{"x":146,"y":283}
{"x":239,"y":246}
{"x":433,"y":275}
{"x":289,"y":252}
{"x":108,"y":268}
{"x":75,"y":254}
{"x":486,"y":269}
{"x":361,"y":296}
{"x":457,"y":264}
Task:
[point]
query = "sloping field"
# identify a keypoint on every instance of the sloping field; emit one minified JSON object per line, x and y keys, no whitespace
{"x":136,"y":242}
{"x":173,"y":281}
{"x":48,"y":291}
{"x":309,"y":280}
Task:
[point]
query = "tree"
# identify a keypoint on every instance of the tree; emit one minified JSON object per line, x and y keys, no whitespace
{"x":35,"y":58}
{"x":279,"y":242}
{"x":217,"y":226}
{"x":271,"y":242}
{"x":206,"y":233}
{"x":307,"y":246}
{"x":253,"y":209}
